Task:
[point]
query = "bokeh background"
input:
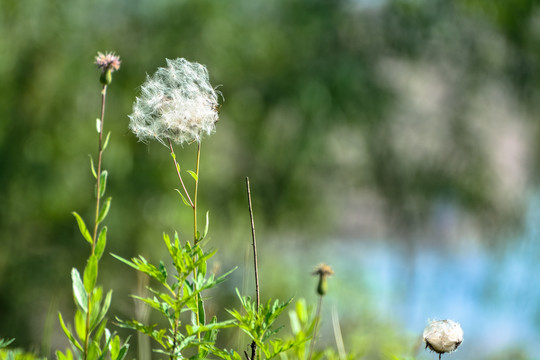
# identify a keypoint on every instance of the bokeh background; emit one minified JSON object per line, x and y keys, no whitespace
{"x":395,"y":140}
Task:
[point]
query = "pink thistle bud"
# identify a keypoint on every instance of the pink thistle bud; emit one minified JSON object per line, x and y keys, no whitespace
{"x":107,"y":63}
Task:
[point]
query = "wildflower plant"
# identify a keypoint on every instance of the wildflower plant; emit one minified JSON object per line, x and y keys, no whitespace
{"x":91,"y":339}
{"x":178,"y":105}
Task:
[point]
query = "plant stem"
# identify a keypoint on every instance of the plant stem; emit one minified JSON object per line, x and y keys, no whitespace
{"x":316,"y":329}
{"x":96,"y":224}
{"x":196,"y":235}
{"x":177,"y":168}
{"x":196,"y":239}
{"x":255,"y":266}
{"x":100,"y":156}
{"x":193,"y":205}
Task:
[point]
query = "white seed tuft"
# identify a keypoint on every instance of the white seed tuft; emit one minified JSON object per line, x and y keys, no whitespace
{"x":177,"y":103}
{"x":443,"y":336}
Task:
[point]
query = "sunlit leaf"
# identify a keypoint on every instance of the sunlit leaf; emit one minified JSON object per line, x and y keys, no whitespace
{"x":106,"y":143}
{"x":92,"y":167}
{"x":101,"y":242}
{"x":103,"y":183}
{"x":79,"y":292}
{"x":104,"y":210}
{"x":193,"y":175}
{"x":90,"y":273}
{"x":82,"y":227}
{"x":183,"y":198}
{"x":71,"y":338}
{"x":80,"y":325}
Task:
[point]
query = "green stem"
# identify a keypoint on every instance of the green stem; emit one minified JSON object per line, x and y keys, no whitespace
{"x":98,"y":198}
{"x":196,"y":237}
{"x":177,"y":168}
{"x":316,"y":329}
{"x":195,"y":233}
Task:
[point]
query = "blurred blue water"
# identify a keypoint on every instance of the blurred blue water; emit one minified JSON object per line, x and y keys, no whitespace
{"x":493,"y":293}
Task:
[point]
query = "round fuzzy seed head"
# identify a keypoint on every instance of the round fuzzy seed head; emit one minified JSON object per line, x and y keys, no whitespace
{"x":443,"y":336}
{"x":177,"y":103}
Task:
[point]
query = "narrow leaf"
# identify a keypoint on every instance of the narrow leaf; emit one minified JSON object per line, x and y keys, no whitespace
{"x":98,"y":125}
{"x":103,"y":182}
{"x":104,"y":309}
{"x":82,"y":227}
{"x":101,"y":242}
{"x":80,"y":325}
{"x":183,"y":198}
{"x":106,"y":141}
{"x":90,"y":273}
{"x":68,"y":333}
{"x":123,"y":352}
{"x":92,"y":167}
{"x":104,"y":210}
{"x":202,"y":315}
{"x":79,"y":293}
{"x":206,"y":225}
{"x":193,"y":175}
{"x":93,"y":350}
{"x":5,"y":342}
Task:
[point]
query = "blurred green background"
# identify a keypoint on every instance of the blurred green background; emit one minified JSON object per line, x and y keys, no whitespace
{"x":373,"y":132}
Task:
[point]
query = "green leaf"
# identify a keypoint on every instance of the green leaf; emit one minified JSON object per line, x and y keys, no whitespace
{"x":104,"y":309}
{"x":80,"y":325}
{"x":101,"y":242}
{"x":193,"y":175}
{"x":103,"y":182}
{"x":122,"y":353}
{"x":90,"y":273}
{"x":94,"y":350}
{"x":106,"y":141}
{"x":202,"y":315}
{"x":205,"y":232}
{"x":98,"y":334}
{"x":5,"y":342}
{"x":82,"y":227}
{"x":183,"y":198}
{"x":104,"y":210}
{"x":92,"y":167}
{"x":114,"y":346}
{"x":68,"y":333}
{"x":98,"y":125}
{"x":79,"y":292}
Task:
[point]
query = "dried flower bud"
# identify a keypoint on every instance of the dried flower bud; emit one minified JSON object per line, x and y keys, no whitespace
{"x":107,"y":63}
{"x":323,"y":271}
{"x":443,"y":336}
{"x":177,"y":103}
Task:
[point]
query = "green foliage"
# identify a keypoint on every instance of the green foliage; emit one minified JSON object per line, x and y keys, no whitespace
{"x":179,"y":293}
{"x":17,"y":354}
{"x":14,"y":354}
{"x":91,"y":340}
{"x":259,"y":325}
{"x":5,"y":342}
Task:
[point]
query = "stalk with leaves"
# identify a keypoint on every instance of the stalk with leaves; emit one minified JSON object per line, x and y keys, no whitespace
{"x":91,"y":339}
{"x":178,"y":105}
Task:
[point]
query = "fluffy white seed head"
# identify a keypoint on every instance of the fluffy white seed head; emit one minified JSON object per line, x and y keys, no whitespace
{"x":443,"y":336}
{"x":176,"y":103}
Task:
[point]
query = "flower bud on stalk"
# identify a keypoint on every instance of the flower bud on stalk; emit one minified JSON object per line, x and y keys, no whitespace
{"x":107,"y":63}
{"x":323,"y":271}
